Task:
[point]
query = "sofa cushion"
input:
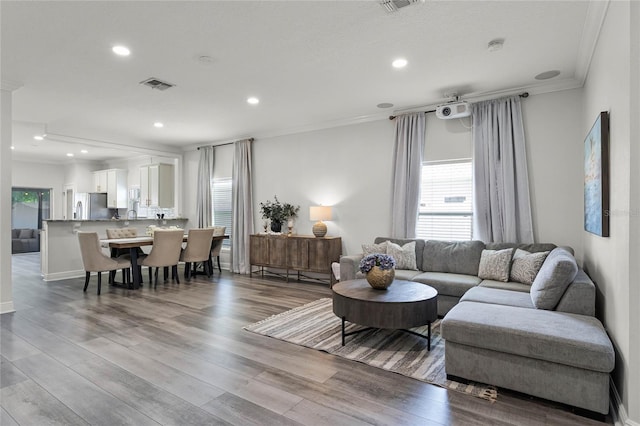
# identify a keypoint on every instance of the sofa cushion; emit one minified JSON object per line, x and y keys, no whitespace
{"x":525,"y":265}
{"x":494,"y":264}
{"x":498,"y":296}
{"x":531,"y":248}
{"x":403,"y":241}
{"x":405,"y":256}
{"x":447,"y":283}
{"x":368,"y":249}
{"x":569,"y":339}
{"x":406,"y":274}
{"x":556,"y":273}
{"x":458,"y":257}
{"x":509,"y":285}
{"x":25,"y":234}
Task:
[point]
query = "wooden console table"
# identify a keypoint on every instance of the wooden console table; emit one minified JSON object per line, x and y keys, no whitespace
{"x":299,"y":253}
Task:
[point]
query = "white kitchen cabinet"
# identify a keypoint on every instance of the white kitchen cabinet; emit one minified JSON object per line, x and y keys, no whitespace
{"x":114,"y":183}
{"x":157,"y":185}
{"x":117,"y":189}
{"x":100,"y":181}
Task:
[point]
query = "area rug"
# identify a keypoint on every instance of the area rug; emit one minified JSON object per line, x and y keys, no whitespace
{"x":314,"y":325}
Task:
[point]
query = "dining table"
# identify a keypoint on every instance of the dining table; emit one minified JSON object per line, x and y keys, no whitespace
{"x":133,"y":244}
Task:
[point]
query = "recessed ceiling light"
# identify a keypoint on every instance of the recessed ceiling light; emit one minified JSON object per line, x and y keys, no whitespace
{"x":38,"y":138}
{"x":13,"y":147}
{"x":384,"y":105}
{"x":69,"y":154}
{"x":84,"y":151}
{"x":547,"y":75}
{"x":158,"y":124}
{"x":399,"y":63}
{"x":253,"y":100}
{"x":121,"y":50}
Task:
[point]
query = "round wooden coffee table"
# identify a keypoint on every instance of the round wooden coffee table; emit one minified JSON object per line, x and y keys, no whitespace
{"x":403,"y":305}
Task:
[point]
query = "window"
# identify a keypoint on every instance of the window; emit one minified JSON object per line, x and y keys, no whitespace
{"x":221,"y":199}
{"x":446,"y":208}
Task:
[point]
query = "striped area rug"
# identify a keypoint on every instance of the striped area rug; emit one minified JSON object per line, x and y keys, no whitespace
{"x":314,"y":325}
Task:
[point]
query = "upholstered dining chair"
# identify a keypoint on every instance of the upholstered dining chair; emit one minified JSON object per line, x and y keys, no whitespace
{"x":198,"y":249}
{"x":217,"y":245}
{"x":96,"y":261}
{"x":114,"y":233}
{"x":167,"y":245}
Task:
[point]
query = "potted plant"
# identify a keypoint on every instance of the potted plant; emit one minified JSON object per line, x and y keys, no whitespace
{"x":380,"y":270}
{"x":278,"y":212}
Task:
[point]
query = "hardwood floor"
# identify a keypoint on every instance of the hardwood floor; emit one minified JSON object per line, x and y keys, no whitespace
{"x":178,"y":355}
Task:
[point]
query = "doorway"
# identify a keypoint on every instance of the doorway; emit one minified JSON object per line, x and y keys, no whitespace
{"x":29,"y":207}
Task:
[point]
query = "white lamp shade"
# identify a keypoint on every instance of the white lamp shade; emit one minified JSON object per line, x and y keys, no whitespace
{"x":320,"y":213}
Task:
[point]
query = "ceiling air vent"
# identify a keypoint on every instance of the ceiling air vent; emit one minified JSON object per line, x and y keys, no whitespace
{"x":154,"y":83}
{"x":394,"y":5}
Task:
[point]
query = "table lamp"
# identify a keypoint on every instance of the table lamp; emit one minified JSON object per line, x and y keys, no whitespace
{"x":319,"y":213}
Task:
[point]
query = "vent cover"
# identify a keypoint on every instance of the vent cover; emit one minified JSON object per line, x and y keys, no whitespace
{"x":394,"y":5}
{"x":154,"y":83}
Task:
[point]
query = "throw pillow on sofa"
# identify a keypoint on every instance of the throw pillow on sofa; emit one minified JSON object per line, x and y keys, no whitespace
{"x":368,"y":249}
{"x":405,"y":256}
{"x":525,"y":266}
{"x":557,"y":272}
{"x":495,"y":264}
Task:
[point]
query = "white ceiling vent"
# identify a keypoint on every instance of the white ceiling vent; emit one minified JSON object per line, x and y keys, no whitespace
{"x":394,"y":5}
{"x":154,"y":83}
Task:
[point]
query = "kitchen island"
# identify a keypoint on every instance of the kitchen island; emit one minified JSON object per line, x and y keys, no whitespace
{"x":59,"y":248}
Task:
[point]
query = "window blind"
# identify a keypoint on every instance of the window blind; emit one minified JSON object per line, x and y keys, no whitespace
{"x":446,"y":205}
{"x":221,"y":200}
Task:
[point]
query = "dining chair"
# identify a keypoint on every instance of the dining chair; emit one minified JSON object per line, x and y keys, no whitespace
{"x":217,"y":245}
{"x":165,"y":252}
{"x":198,"y":249}
{"x":95,"y":260}
{"x":114,"y":233}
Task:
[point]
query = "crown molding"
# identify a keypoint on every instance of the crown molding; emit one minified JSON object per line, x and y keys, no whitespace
{"x":593,"y":22}
{"x":10,"y":85}
{"x":532,"y":89}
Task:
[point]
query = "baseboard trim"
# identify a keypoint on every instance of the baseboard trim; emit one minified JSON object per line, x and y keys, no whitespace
{"x":620,"y":416}
{"x":57,"y":276}
{"x":6,"y":307}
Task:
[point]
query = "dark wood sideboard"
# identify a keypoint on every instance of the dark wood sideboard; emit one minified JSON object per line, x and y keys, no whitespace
{"x":298,"y":253}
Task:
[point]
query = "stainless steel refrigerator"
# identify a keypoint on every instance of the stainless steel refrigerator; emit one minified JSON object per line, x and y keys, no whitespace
{"x":91,"y":206}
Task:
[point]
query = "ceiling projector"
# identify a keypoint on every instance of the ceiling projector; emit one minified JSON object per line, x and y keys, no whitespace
{"x":453,"y":110}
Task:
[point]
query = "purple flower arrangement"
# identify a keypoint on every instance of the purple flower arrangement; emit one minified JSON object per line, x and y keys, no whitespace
{"x":383,"y":261}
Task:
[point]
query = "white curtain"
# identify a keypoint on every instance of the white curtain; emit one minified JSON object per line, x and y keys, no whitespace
{"x":242,"y":199}
{"x":407,"y":168}
{"x":501,"y":204}
{"x":203,"y":196}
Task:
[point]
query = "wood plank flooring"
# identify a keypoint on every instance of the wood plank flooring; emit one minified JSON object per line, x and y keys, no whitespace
{"x":177,"y":355}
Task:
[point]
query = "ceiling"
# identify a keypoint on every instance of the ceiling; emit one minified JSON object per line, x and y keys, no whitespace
{"x":312,"y":64}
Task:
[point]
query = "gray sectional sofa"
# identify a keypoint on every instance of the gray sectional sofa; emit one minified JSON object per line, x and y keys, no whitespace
{"x":539,"y":338}
{"x":25,"y":240}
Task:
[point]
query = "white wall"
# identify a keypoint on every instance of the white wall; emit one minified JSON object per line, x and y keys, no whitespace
{"x":6,"y":289}
{"x":555,"y":160}
{"x":447,"y":139}
{"x":347,"y":167}
{"x":80,"y":174}
{"x":41,"y":175}
{"x":610,"y":261}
